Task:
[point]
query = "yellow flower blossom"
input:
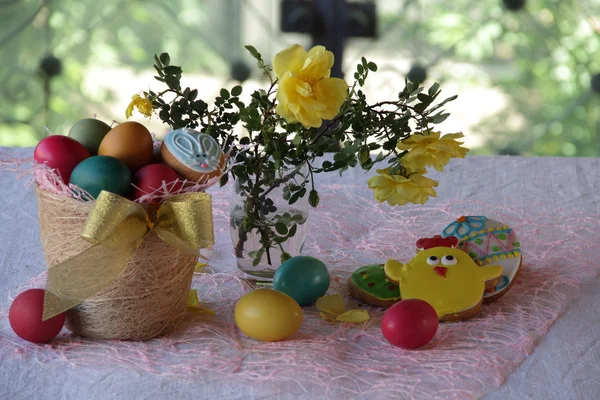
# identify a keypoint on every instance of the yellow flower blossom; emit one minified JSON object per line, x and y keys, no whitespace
{"x":431,"y":150}
{"x":399,"y":190}
{"x":143,"y":105}
{"x":306,"y":93}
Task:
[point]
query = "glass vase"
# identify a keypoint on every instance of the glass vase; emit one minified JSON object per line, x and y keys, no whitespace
{"x":265,"y":229}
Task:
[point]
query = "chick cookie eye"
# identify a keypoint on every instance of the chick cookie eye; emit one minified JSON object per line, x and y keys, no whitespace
{"x":449,"y":260}
{"x":433,"y":260}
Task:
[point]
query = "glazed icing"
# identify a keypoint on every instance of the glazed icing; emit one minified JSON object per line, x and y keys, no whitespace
{"x":372,"y":280}
{"x":491,"y":244}
{"x":197,"y":151}
{"x":494,"y":243}
{"x":449,"y":289}
{"x":464,"y":225}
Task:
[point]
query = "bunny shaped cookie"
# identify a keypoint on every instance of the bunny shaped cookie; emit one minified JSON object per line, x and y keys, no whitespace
{"x":195,"y":156}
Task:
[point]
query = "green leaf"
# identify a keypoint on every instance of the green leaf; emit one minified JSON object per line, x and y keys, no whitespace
{"x":172,"y":82}
{"x":372,"y":66}
{"x":224,"y":94}
{"x":437,"y":119}
{"x":433,"y":89}
{"x":173,"y":70}
{"x":364,"y":62}
{"x":423,"y":98}
{"x":292,"y":231}
{"x":294,"y":198}
{"x":236,"y":90}
{"x":313,"y":198}
{"x":157,"y":61}
{"x":281,"y":228}
{"x":257,"y":258}
{"x":364,"y":154}
{"x":224,"y":179}
{"x":360,"y":69}
{"x":252,"y":50}
{"x":192,"y":95}
{"x":165,"y":59}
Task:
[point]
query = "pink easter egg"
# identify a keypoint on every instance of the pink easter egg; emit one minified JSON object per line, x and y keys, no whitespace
{"x":60,"y":153}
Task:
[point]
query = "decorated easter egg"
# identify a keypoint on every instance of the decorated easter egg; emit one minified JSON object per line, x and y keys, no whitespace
{"x":89,"y":132}
{"x":268,"y":315}
{"x":194,"y":155}
{"x":99,"y":173}
{"x":303,"y":278}
{"x":150,"y":178}
{"x":488,"y":242}
{"x":60,"y":153}
{"x":25,"y":317}
{"x":130,"y":142}
{"x":410,"y":324}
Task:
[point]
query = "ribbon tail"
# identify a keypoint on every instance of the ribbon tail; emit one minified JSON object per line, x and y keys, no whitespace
{"x":116,"y":227}
{"x":186,"y":222}
{"x":84,"y":275}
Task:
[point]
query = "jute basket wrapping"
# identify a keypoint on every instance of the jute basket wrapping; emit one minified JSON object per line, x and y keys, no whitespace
{"x":147,"y":300}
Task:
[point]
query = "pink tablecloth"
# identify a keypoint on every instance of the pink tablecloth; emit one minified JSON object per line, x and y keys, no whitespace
{"x":556,"y":219}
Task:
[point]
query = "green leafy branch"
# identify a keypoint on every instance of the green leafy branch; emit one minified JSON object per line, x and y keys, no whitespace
{"x":273,"y":152}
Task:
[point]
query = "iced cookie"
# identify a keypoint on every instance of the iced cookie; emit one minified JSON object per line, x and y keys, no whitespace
{"x":445,"y":277}
{"x":489,"y":242}
{"x":195,"y":156}
{"x":369,"y":285}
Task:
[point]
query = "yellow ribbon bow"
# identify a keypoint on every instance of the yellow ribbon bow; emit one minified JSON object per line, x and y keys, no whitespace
{"x":116,"y":227}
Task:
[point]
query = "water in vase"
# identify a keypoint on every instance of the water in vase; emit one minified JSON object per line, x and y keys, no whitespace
{"x":244,"y":248}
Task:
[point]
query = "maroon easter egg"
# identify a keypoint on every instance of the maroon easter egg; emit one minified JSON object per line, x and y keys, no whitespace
{"x":409,"y":324}
{"x":25,"y":317}
{"x":151,"y":177}
{"x":60,"y":153}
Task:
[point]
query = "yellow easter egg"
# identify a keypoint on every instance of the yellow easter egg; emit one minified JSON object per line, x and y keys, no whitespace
{"x":268,"y":315}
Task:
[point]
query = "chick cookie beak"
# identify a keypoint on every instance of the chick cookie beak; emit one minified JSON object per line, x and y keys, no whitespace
{"x":441,"y":271}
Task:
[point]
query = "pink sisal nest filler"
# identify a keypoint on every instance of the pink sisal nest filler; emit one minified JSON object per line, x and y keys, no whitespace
{"x":464,"y":360}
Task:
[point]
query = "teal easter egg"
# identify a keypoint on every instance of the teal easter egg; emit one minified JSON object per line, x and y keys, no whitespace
{"x":303,"y":278}
{"x":89,"y":132}
{"x":99,"y":173}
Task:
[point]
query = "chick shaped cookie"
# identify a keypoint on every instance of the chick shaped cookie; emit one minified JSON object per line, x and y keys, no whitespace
{"x":447,"y":278}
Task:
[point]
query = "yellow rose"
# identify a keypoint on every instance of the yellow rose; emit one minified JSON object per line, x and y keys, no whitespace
{"x":399,"y":190}
{"x":306,"y":93}
{"x":143,"y":105}
{"x":431,"y":150}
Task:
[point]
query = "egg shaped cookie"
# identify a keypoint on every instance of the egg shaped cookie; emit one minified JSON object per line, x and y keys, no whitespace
{"x":488,"y":241}
{"x":195,"y":156}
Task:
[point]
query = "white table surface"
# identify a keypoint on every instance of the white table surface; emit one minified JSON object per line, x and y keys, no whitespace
{"x":564,"y":365}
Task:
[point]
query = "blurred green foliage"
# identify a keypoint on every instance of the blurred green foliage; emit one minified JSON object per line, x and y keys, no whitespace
{"x":541,"y":58}
{"x":84,"y":33}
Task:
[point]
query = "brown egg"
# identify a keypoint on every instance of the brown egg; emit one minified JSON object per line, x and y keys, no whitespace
{"x":130,"y":142}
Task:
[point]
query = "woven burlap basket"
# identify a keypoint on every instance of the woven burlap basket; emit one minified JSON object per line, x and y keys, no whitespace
{"x":147,"y":300}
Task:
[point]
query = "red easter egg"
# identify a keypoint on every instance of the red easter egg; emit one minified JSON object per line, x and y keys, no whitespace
{"x":61,"y":153}
{"x":410,"y":324}
{"x":25,"y":316}
{"x":151,"y":177}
